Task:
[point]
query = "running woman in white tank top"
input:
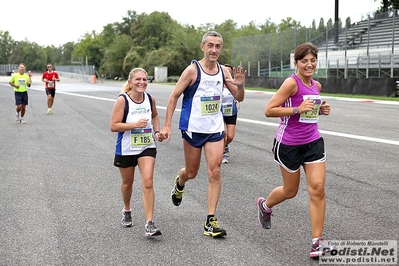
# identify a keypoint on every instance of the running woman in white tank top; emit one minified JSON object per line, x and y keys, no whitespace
{"x":135,"y":118}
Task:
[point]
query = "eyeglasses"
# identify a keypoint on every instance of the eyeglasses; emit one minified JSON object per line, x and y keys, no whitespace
{"x":49,"y":66}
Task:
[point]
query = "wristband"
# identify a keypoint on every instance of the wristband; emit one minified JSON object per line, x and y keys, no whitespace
{"x":157,"y":131}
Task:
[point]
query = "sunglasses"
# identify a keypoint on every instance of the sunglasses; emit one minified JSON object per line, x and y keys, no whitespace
{"x":49,"y":66}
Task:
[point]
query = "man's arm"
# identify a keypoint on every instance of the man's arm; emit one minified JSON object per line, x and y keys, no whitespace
{"x":185,"y":80}
{"x":11,"y":82}
{"x":57,"y":78}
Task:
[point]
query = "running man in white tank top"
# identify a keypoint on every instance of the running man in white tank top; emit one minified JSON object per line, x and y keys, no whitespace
{"x":201,"y":122}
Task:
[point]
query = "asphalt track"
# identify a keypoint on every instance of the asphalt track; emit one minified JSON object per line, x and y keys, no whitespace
{"x":60,"y":201}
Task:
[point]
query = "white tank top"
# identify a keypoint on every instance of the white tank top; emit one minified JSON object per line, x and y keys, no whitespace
{"x":201,"y":105}
{"x":135,"y":141}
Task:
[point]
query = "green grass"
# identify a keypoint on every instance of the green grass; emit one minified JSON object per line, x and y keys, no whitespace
{"x":369,"y":97}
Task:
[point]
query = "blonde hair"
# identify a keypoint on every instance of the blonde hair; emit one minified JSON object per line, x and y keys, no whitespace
{"x":126,"y":87}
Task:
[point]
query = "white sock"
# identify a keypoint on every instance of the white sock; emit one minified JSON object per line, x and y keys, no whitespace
{"x":265,"y":206}
{"x":315,"y":239}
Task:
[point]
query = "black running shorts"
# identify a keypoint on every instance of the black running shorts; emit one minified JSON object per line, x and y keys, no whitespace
{"x":292,"y":157}
{"x":126,"y":161}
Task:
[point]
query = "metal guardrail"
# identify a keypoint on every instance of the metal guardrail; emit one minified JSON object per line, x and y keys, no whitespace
{"x":8,"y":69}
{"x":77,"y":69}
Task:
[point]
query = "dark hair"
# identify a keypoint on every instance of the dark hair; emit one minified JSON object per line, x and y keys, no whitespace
{"x":306,"y":48}
{"x":228,"y":66}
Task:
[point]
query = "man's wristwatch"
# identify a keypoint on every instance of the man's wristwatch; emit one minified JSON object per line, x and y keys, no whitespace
{"x":296,"y":110}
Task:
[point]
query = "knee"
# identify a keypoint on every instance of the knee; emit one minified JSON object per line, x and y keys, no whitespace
{"x":127,"y":185}
{"x":317,"y":191}
{"x":230,"y":137}
{"x":215,"y":174}
{"x":190,"y":174}
{"x":148,"y":184}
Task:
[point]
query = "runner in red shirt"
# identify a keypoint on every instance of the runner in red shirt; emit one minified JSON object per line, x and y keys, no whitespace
{"x":50,"y":77}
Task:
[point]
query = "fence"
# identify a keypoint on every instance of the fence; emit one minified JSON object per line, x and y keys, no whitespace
{"x":76,"y":69}
{"x":365,"y":49}
{"x":8,"y":69}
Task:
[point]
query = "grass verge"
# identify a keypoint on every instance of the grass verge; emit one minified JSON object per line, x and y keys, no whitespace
{"x":369,"y":97}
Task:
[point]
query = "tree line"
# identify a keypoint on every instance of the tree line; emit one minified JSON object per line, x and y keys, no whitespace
{"x":148,"y":40}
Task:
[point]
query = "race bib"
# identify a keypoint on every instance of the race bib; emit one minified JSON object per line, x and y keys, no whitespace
{"x":313,"y":115}
{"x":50,"y":84}
{"x":210,"y":105}
{"x":227,"y":109}
{"x":140,"y":137}
{"x":21,"y":83}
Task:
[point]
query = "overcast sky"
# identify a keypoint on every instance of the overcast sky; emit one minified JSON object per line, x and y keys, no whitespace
{"x":58,"y":22}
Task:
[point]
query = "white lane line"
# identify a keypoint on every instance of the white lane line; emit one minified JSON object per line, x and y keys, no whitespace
{"x":327,"y":132}
{"x":345,"y":135}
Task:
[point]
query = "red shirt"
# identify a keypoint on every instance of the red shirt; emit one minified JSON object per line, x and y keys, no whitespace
{"x":50,"y":84}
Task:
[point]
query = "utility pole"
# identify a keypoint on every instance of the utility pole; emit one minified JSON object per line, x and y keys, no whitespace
{"x":336,"y":24}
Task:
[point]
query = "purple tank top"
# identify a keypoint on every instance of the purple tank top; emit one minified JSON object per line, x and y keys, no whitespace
{"x":291,"y":131}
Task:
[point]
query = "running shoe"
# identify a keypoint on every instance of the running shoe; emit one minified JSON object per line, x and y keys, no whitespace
{"x":22,"y":121}
{"x":227,"y":151}
{"x":151,"y":229}
{"x":264,"y":217}
{"x":213,"y":229}
{"x":176,"y":194}
{"x":319,"y":248}
{"x":17,"y":116}
{"x":225,"y":158}
{"x":127,"y":218}
{"x":49,"y":112}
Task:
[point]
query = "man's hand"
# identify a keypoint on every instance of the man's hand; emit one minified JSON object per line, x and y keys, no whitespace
{"x":239,"y":74}
{"x":165,"y":133}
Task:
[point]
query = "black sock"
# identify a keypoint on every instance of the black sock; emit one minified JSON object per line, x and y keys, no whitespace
{"x":179,"y":187}
{"x":209,"y":217}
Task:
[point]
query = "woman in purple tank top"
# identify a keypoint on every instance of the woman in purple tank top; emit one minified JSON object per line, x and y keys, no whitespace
{"x":298,"y":143}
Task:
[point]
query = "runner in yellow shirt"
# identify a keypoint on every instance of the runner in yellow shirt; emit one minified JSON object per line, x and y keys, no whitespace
{"x":21,"y":82}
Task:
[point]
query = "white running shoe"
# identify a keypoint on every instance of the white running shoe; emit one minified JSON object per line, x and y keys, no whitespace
{"x":225,"y":158}
{"x":151,"y":229}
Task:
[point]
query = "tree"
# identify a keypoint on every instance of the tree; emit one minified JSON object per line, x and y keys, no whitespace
{"x":154,"y":30}
{"x":90,"y":47}
{"x":66,"y":53}
{"x":108,"y":34}
{"x":124,"y":27}
{"x":114,"y":56}
{"x":7,"y":46}
{"x":29,"y":53}
{"x":287,"y":24}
